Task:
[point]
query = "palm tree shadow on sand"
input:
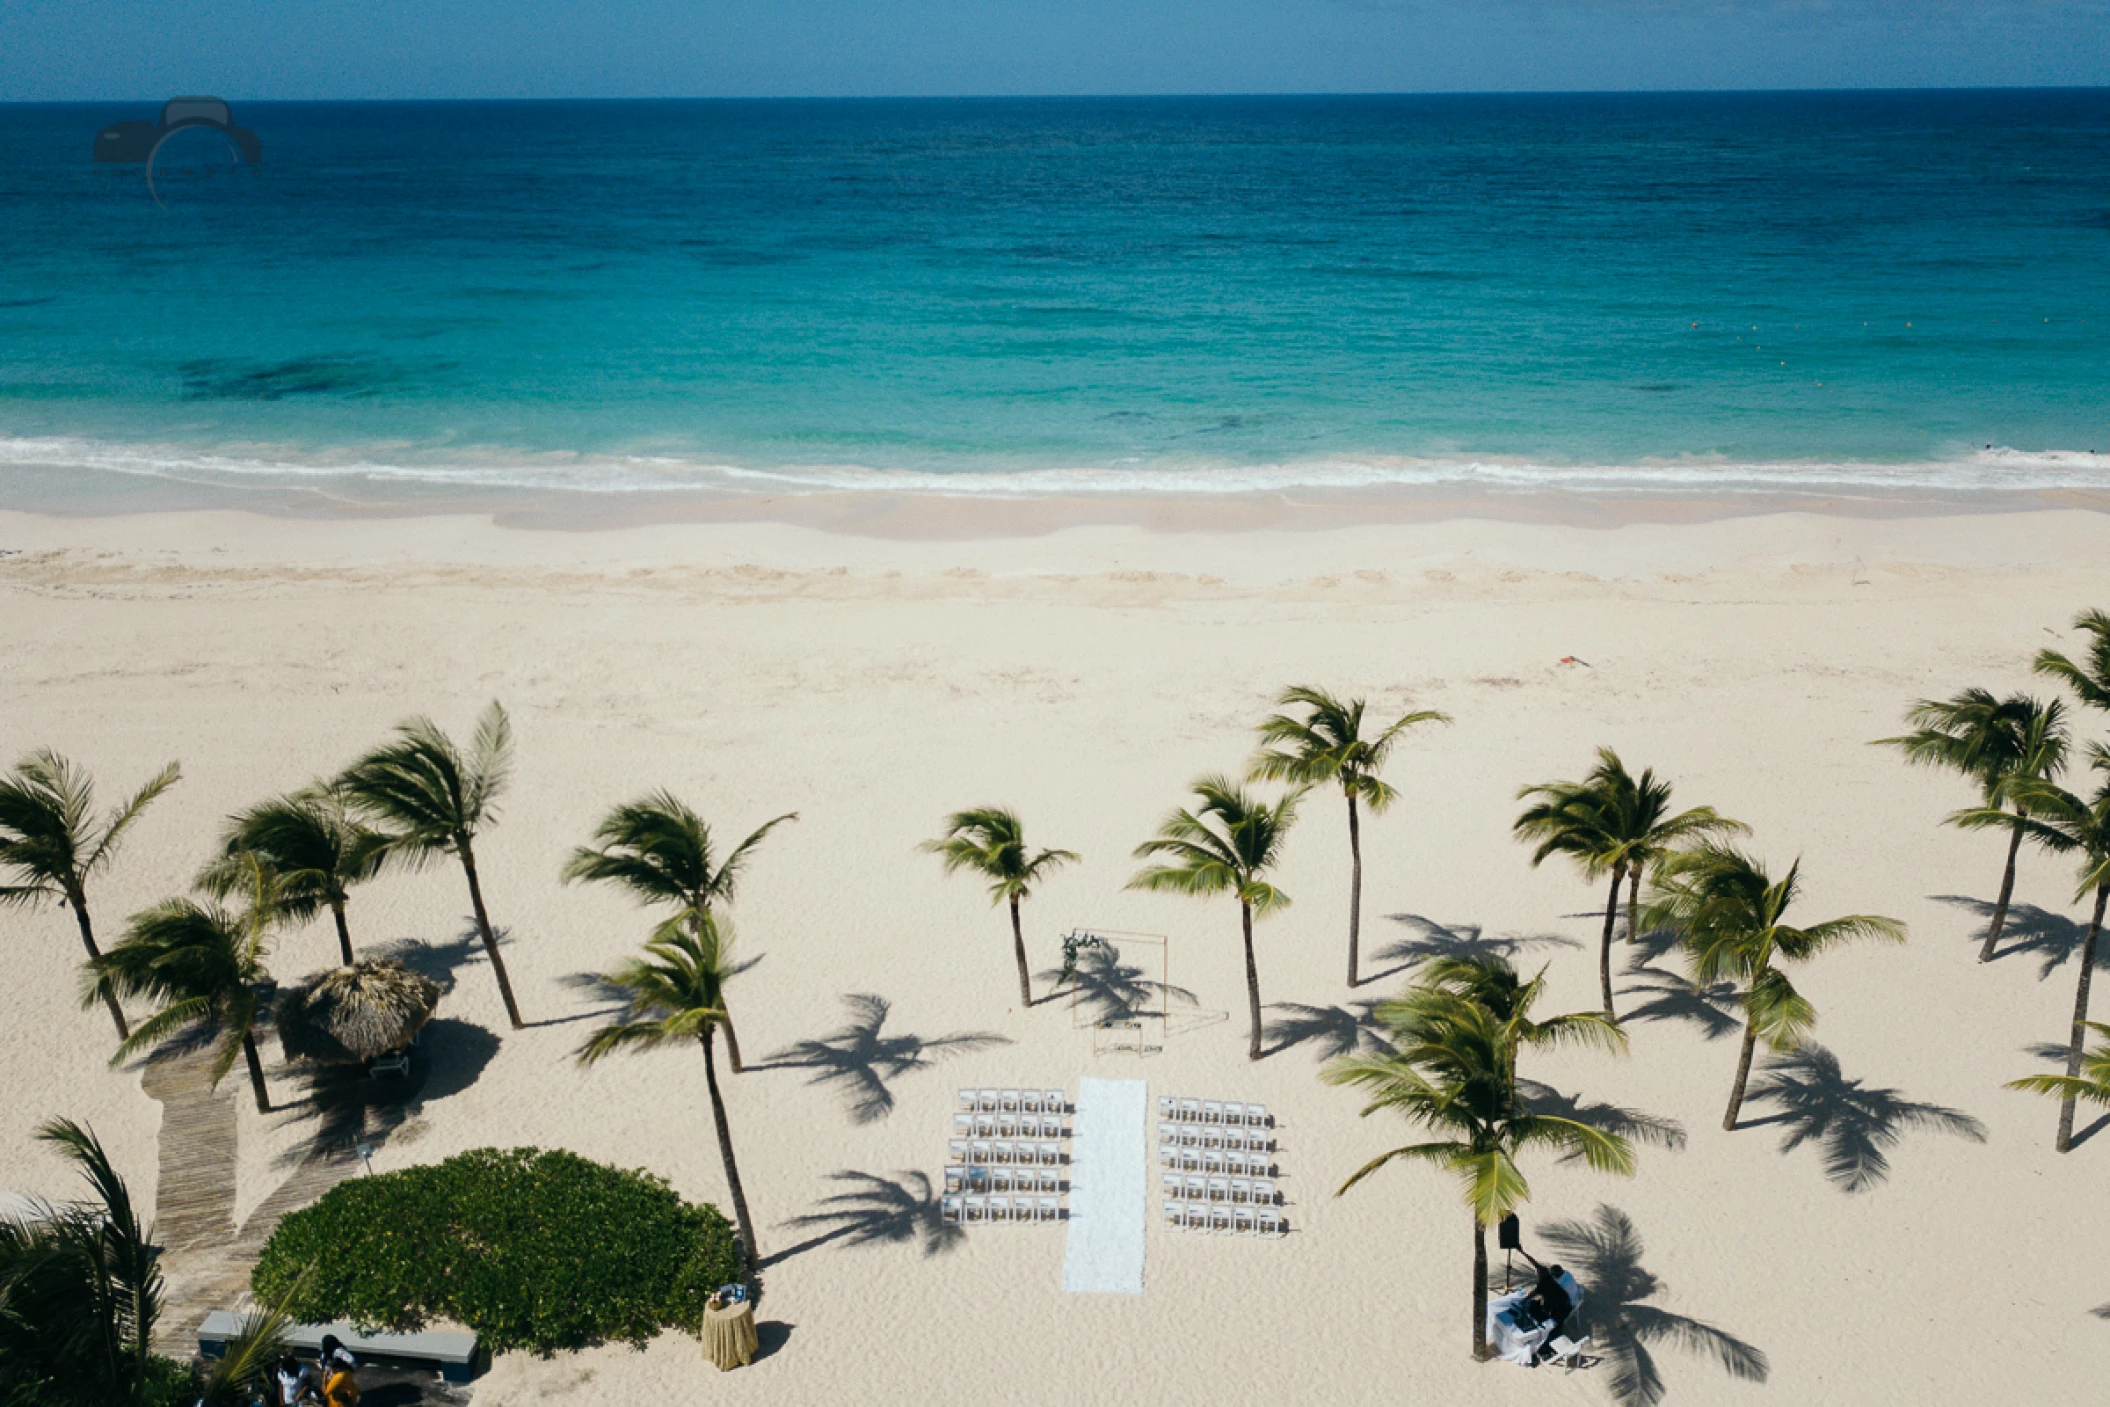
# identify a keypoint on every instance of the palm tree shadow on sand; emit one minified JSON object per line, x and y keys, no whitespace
{"x":862,"y":1062}
{"x":871,"y":1210}
{"x":1331,"y":1031}
{"x":2051,"y":938}
{"x":1426,"y":938}
{"x":1109,"y":990}
{"x":1853,"y":1125}
{"x":1634,"y":1125}
{"x":1714,"y":1010}
{"x":1604,"y":1253}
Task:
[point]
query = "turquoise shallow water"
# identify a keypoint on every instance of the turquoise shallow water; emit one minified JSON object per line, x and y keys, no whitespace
{"x":1727,"y":292}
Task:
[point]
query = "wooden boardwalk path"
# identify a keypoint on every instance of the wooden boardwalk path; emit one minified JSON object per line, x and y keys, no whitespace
{"x":206,"y":1258}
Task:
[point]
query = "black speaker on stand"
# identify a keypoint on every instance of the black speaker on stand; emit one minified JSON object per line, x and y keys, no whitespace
{"x":1509,"y":1236}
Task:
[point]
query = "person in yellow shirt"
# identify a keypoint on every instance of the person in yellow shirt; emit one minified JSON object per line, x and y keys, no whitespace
{"x":340,"y":1389}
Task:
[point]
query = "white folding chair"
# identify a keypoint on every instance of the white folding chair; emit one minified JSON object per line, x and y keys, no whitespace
{"x":1197,"y":1216}
{"x":1256,"y":1116}
{"x":963,"y":1126}
{"x":1168,"y":1107}
{"x":1173,"y":1186}
{"x":1234,"y":1114}
{"x":1052,"y":1101}
{"x":977,"y":1178}
{"x":977,"y":1210}
{"x":1006,"y":1152}
{"x":1190,"y":1160}
{"x":1029,"y":1101}
{"x":1173,"y":1216}
{"x":1190,"y":1111}
{"x":1220,"y":1219}
{"x":986,"y":1101}
{"x":1168,"y":1155}
{"x":981,"y":1152}
{"x":1197,"y":1189}
{"x":1213,"y":1112}
{"x":966,"y":1104}
{"x":1168,"y":1132}
{"x":951,"y":1210}
{"x":1000,"y":1209}
{"x":1219,"y":1189}
{"x":1007,"y":1126}
{"x":1267,"y":1222}
{"x":1050,"y":1209}
{"x":1213,"y":1164}
{"x":1242,"y":1221}
{"x":985,"y":1126}
{"x":1007,"y":1101}
{"x":1051,"y":1154}
{"x":1190,"y":1137}
{"x":1050,"y":1180}
{"x":1566,"y":1351}
{"x":1002,"y":1179}
{"x":957,"y":1150}
{"x":1241,"y":1191}
{"x":1264,"y":1191}
{"x":955,"y":1177}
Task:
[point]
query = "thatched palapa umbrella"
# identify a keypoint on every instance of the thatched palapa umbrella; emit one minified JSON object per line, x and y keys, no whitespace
{"x":352,"y":1014}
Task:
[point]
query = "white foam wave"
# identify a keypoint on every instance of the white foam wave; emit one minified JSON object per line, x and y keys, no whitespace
{"x":1991,"y":470}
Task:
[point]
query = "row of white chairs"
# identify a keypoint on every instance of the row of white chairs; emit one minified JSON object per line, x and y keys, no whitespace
{"x":1004,"y":1153}
{"x":974,"y":1210}
{"x":1190,"y":1160}
{"x":1223,"y":1113}
{"x":1012,"y":1101}
{"x":1256,"y":1191}
{"x":1007,"y":1126}
{"x":967,"y":1177}
{"x":1222,"y":1218}
{"x":1207,"y":1136}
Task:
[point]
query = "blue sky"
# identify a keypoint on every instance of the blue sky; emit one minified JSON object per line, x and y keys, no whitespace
{"x":256,"y":49}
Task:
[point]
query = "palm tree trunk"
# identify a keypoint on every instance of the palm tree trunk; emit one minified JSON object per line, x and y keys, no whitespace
{"x":1479,"y":1289}
{"x":1604,"y":953}
{"x":117,"y":1013}
{"x":1018,"y":950}
{"x":2080,"y":1015}
{"x":344,"y":934}
{"x":732,"y":1168}
{"x":732,"y":1041}
{"x":483,"y":926}
{"x":1252,"y":980}
{"x":1355,"y":895}
{"x":1633,"y":904}
{"x":1743,"y":1073}
{"x":256,"y":1073}
{"x":2007,"y":892}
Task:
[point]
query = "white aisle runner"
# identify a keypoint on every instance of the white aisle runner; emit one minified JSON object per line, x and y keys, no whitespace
{"x":1109,"y":1189}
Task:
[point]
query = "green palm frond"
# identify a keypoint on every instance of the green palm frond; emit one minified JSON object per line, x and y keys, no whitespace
{"x":2090,"y":678}
{"x":49,"y":842}
{"x":675,"y":992}
{"x":426,"y":792}
{"x":1326,"y":745}
{"x":991,"y":841}
{"x":1224,"y":845}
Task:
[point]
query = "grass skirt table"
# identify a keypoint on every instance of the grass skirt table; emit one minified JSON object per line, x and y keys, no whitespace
{"x":729,"y":1335}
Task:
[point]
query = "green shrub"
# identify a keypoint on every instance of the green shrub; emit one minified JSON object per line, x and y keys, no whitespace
{"x":533,"y":1249}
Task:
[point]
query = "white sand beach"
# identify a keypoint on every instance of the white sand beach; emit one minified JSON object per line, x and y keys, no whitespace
{"x":1085,"y":676}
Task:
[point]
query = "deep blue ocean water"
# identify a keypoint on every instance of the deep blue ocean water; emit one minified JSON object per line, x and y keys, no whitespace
{"x":1705,"y":291}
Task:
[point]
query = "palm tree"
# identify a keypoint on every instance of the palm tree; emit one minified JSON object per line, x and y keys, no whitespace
{"x":1489,"y":982}
{"x":2067,"y":824}
{"x":317,"y":847}
{"x":1224,"y":846}
{"x":50,"y":844}
{"x":1731,"y":917}
{"x":1613,"y":822}
{"x":2090,"y":679}
{"x":80,"y":1289}
{"x":204,"y":966}
{"x":1451,"y":1076}
{"x":2090,"y":1081}
{"x":1327,"y":744}
{"x":676,"y":992}
{"x":660,"y":850}
{"x":436,"y":798}
{"x":991,"y":841}
{"x":1996,"y":743}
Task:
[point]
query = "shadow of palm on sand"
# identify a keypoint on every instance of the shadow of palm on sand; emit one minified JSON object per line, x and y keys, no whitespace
{"x":863,"y":1062}
{"x":2051,"y":938}
{"x":1626,"y":1324}
{"x":1853,"y":1125}
{"x":1111,"y":990}
{"x":1426,"y":938}
{"x":871,"y":1210}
